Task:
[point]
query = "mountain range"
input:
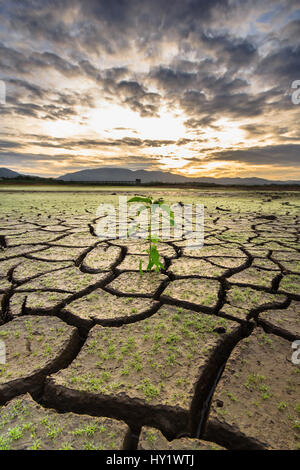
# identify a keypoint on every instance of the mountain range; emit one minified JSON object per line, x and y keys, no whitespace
{"x":6,"y":173}
{"x":112,"y":174}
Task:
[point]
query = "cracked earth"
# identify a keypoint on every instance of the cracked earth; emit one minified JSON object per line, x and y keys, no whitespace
{"x":197,"y":356}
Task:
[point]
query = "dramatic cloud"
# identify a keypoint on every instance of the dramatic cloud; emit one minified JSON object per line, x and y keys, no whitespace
{"x":274,"y":155}
{"x":198,"y":87}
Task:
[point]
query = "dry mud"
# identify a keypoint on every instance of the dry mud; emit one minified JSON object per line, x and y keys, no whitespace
{"x":198,"y":356}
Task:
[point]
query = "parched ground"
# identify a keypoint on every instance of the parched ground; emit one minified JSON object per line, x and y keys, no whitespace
{"x":202,"y":355}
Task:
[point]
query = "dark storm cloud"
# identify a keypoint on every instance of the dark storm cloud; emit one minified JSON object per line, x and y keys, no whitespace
{"x":39,"y":19}
{"x":33,"y":89}
{"x":6,"y":144}
{"x":28,"y":160}
{"x":7,"y":158}
{"x":14,"y":60}
{"x":261,"y":130}
{"x":44,"y":111}
{"x":183,"y":20}
{"x":289,"y":35}
{"x":108,"y":25}
{"x":234,"y":52}
{"x":129,"y":92}
{"x":53,"y":61}
{"x":138,"y":99}
{"x":281,"y":67}
{"x":98,"y":143}
{"x":173,"y":80}
{"x":234,"y":105}
{"x":272,"y":155}
{"x":26,"y":98}
{"x":198,"y":123}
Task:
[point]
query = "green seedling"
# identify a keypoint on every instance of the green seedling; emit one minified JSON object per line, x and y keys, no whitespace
{"x":151,"y":205}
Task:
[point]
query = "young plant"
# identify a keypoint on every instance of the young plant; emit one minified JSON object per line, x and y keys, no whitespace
{"x":151,"y":205}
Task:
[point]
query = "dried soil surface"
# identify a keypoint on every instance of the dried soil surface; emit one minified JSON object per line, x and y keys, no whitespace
{"x":25,"y":425}
{"x":202,"y":355}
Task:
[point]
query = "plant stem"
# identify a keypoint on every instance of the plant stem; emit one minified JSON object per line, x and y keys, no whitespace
{"x":150,"y":230}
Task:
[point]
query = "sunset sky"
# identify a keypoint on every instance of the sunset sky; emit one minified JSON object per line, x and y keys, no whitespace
{"x":195,"y":87}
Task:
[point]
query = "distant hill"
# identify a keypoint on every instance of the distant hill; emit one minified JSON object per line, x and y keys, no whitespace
{"x":7,"y":173}
{"x":124,"y":174}
{"x":115,"y":174}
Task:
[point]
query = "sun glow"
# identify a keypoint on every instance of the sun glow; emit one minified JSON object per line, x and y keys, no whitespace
{"x":109,"y":122}
{"x":109,"y":119}
{"x":224,"y":133}
{"x":62,"y":129}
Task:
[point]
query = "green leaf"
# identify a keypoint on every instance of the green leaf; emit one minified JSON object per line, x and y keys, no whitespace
{"x":159,"y":201}
{"x":155,"y":256}
{"x":150,"y":265}
{"x":146,"y":200}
